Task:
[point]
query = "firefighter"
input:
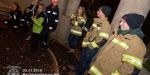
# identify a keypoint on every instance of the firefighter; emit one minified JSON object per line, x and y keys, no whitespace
{"x":25,"y":19}
{"x":95,"y":38}
{"x":52,"y":12}
{"x":123,"y":53}
{"x":78,"y":21}
{"x":14,"y":17}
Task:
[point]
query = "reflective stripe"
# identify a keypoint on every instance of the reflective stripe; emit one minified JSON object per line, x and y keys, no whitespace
{"x":76,"y":23}
{"x":72,"y":16}
{"x":48,"y":11}
{"x":15,"y":17}
{"x":56,"y":20}
{"x":95,"y":26}
{"x":115,"y":73}
{"x":15,"y":26}
{"x":54,"y":13}
{"x":132,"y":60}
{"x":79,"y":17}
{"x":27,"y":22}
{"x":85,"y":43}
{"x":50,"y":27}
{"x":75,"y":31}
{"x":94,"y":44}
{"x":103,"y":34}
{"x":95,"y":70}
{"x":122,"y":44}
{"x":83,"y":20}
{"x":22,"y":20}
{"x":6,"y":22}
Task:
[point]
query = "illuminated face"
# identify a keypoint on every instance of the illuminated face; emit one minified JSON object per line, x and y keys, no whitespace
{"x":124,"y":25}
{"x":80,"y":10}
{"x":99,"y":13}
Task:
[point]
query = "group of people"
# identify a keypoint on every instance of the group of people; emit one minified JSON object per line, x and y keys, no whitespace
{"x":106,"y":50}
{"x":37,"y":21}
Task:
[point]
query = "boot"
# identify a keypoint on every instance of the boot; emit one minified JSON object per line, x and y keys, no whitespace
{"x":71,"y":51}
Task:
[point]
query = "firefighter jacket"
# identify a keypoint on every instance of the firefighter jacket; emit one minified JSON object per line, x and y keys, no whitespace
{"x":25,"y":19}
{"x":37,"y":26}
{"x":77,"y":22}
{"x":99,"y":31}
{"x":16,"y":15}
{"x":53,"y":15}
{"x":121,"y":55}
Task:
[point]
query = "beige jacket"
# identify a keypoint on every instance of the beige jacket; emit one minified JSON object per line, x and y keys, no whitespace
{"x":119,"y":55}
{"x":100,"y":29}
{"x":76,"y":20}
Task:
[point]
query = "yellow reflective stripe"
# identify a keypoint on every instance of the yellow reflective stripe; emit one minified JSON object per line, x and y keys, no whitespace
{"x":115,"y":73}
{"x":95,"y":26}
{"x":75,"y":31}
{"x":122,"y":44}
{"x":85,"y":43}
{"x":79,"y":17}
{"x":87,"y":33}
{"x":72,"y":16}
{"x":103,"y":34}
{"x":132,"y":60}
{"x":94,"y":44}
{"x":76,"y":23}
{"x":83,"y":20}
{"x":95,"y":70}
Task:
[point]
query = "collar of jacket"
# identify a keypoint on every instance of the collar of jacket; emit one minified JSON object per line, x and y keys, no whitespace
{"x":130,"y":34}
{"x":98,"y":20}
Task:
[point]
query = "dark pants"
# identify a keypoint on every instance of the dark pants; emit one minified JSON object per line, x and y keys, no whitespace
{"x":35,"y":41}
{"x":24,"y":28}
{"x":85,"y":60}
{"x":47,"y":37}
{"x":73,"y":40}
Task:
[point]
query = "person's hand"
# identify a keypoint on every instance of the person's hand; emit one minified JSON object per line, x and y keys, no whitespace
{"x":10,"y":17}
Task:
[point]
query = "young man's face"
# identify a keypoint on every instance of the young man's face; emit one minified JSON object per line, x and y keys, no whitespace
{"x":99,"y":13}
{"x":124,"y":25}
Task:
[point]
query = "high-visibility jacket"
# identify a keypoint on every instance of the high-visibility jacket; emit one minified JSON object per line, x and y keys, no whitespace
{"x":119,"y":56}
{"x":77,"y":23}
{"x":100,"y":30}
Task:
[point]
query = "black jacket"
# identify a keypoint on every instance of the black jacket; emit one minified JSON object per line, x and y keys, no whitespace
{"x":33,"y":12}
{"x":16,"y":15}
{"x":53,"y":15}
{"x":26,"y":18}
{"x":44,"y":24}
